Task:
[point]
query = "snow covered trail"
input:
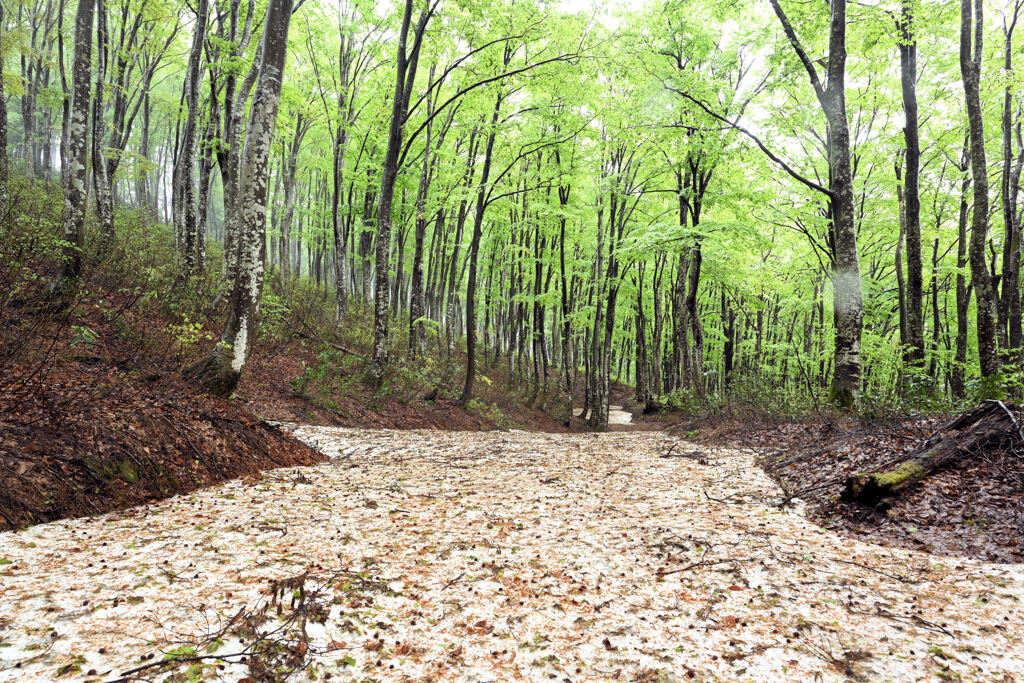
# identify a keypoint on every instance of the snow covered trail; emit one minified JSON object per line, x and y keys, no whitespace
{"x":501,"y":556}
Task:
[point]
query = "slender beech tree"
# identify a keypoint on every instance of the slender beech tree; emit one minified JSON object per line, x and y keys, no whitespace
{"x":76,"y":161}
{"x":911,"y":186}
{"x":288,"y":174}
{"x":185,"y":209}
{"x":1009,"y":314}
{"x":100,"y":169}
{"x":220,"y":371}
{"x":3,"y":126}
{"x":405,"y":75}
{"x":972,"y":22}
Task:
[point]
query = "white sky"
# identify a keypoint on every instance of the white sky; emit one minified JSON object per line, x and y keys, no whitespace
{"x":575,"y":6}
{"x":607,"y":10}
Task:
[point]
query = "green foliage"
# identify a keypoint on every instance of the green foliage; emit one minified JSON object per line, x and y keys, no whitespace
{"x":490,"y":412}
{"x":625,"y":126}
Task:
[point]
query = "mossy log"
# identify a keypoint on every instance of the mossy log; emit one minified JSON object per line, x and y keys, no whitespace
{"x":989,"y":425}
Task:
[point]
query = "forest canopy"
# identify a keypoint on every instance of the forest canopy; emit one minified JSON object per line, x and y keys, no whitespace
{"x":790,"y":204}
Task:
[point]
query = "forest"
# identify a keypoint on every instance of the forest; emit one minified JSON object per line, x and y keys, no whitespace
{"x":404,"y":337}
{"x":569,"y":192}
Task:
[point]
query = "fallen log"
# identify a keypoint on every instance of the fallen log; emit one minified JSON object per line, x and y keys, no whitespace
{"x":989,"y":425}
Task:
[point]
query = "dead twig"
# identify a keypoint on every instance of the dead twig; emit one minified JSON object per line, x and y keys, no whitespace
{"x":453,"y":581}
{"x":902,"y":579}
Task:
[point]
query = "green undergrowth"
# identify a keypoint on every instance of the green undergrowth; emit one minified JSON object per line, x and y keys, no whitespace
{"x":135,"y":291}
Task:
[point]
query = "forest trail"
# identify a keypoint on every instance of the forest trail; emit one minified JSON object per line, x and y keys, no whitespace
{"x":617,"y":415}
{"x":501,"y":556}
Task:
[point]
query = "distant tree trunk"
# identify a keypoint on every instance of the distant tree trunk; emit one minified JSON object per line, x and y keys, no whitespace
{"x":657,"y":383}
{"x":984,"y":286}
{"x":339,"y":231}
{"x":405,"y":74}
{"x":696,"y":360}
{"x":100,"y":168}
{"x":284,"y":246}
{"x":957,"y":376}
{"x":474,"y":251}
{"x":963,"y":293}
{"x":289,"y":172}
{"x":911,"y":195}
{"x":936,"y":320}
{"x":75,"y":193}
{"x":680,"y":347}
{"x":3,"y":129}
{"x":728,"y":333}
{"x":901,"y":283}
{"x":203,"y":197}
{"x":454,"y":276}
{"x":184,"y":167}
{"x":142,"y":182}
{"x":540,"y":379}
{"x":568,"y":360}
{"x":417,"y":302}
{"x":220,"y":371}
{"x":1010,"y":302}
{"x":28,"y":108}
{"x":366,"y":247}
{"x":643,"y":387}
{"x":593,"y":369}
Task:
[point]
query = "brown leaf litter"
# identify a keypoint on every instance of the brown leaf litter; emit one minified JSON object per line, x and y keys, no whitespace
{"x":498,"y":556}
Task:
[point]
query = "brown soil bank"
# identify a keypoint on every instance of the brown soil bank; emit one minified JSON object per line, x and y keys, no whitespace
{"x":95,"y":438}
{"x":95,"y":415}
{"x":974,"y":507}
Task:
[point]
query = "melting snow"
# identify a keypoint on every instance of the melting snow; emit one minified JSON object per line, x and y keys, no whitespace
{"x":507,"y":556}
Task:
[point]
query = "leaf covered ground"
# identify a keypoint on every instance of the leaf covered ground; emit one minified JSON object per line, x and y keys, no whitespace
{"x":973,"y":508}
{"x":496,"y":556}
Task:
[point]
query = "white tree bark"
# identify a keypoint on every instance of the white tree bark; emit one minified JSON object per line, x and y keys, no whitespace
{"x":220,"y":371}
{"x":76,"y":144}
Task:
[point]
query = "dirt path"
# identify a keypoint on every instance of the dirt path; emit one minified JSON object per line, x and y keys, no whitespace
{"x":499,"y":556}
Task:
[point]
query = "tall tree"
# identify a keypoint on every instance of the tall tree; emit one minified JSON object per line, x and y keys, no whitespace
{"x":1009,"y":315}
{"x":971,"y":54}
{"x":3,"y":125}
{"x":76,"y":161}
{"x":405,"y":75}
{"x":846,"y":278}
{"x":185,"y":209}
{"x":221,"y":370}
{"x":911,"y":185}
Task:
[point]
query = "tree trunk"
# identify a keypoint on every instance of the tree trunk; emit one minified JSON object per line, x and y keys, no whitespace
{"x":417,"y":302}
{"x":203,"y":198}
{"x":657,"y":384}
{"x":454,"y":278}
{"x":219,"y":372}
{"x":568,"y":360}
{"x":1010,"y":301}
{"x":75,"y":194}
{"x":184,"y":168}
{"x":990,"y":424}
{"x":289,"y":172}
{"x":911,"y":195}
{"x":405,"y":74}
{"x":3,"y":129}
{"x":963,"y":293}
{"x":984,"y":286}
{"x":849,"y":305}
{"x":100,"y":167}
{"x":846,"y":280}
{"x":474,"y":250}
